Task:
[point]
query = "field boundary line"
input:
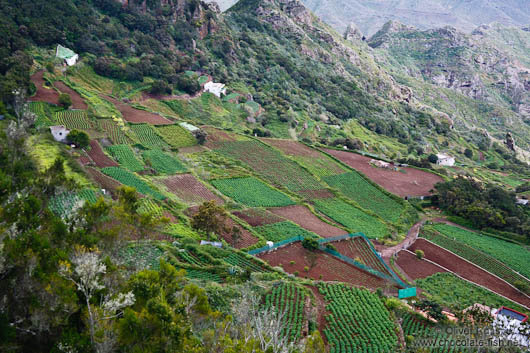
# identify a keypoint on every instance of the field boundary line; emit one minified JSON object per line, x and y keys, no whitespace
{"x":476,"y":284}
{"x":460,"y":257}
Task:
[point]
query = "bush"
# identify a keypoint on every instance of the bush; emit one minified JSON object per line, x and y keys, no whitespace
{"x":296,"y":273}
{"x":468,"y":153}
{"x":433,"y":158}
{"x":310,"y":244}
{"x":65,"y":100}
{"x":306,"y":268}
{"x":522,"y":286}
{"x":50,"y":67}
{"x":79,"y":138}
{"x":188,"y":84}
{"x":419,"y":254}
{"x":292,"y":262}
{"x":201,"y":136}
{"x":160,"y":87}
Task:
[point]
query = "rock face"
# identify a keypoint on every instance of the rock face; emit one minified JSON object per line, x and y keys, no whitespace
{"x":353,"y":33}
{"x":510,"y":143}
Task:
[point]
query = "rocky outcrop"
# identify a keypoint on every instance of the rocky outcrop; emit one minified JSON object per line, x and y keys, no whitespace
{"x":353,"y":33}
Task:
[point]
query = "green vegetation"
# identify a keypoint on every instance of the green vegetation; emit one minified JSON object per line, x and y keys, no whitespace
{"x":357,"y":320}
{"x":283,"y":230}
{"x":73,"y":119}
{"x":124,"y":155}
{"x":352,"y":217}
{"x":288,"y":299}
{"x":66,"y":204}
{"x":451,"y":291}
{"x":113,"y":130}
{"x":148,"y":137}
{"x":79,"y":138}
{"x":163,"y":163}
{"x":252,"y":192}
{"x":241,"y":261}
{"x":176,"y":136}
{"x":367,"y":195}
{"x":43,"y":111}
{"x":141,"y":256}
{"x":513,"y":255}
{"x":130,"y":179}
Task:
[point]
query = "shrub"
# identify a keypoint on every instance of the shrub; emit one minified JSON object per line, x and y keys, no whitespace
{"x":433,"y":158}
{"x":310,"y":244}
{"x":79,"y":138}
{"x":50,"y":67}
{"x":65,"y":100}
{"x":468,"y":153}
{"x":419,"y":254}
{"x":296,"y":273}
{"x":522,"y":286}
{"x":306,"y":268}
{"x":292,"y":262}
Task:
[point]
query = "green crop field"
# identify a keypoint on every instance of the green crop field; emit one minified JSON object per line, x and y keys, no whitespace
{"x":283,"y":230}
{"x":449,"y":290}
{"x":289,"y":300}
{"x":163,"y":163}
{"x":473,"y":255}
{"x":73,"y":119}
{"x":352,"y":217}
{"x":203,"y":275}
{"x":43,"y":112}
{"x":358,"y":321}
{"x":114,"y":131}
{"x":124,"y":155}
{"x":241,"y":261}
{"x":271,"y":164}
{"x":129,"y":179}
{"x":62,"y":205}
{"x":252,"y":192}
{"x":149,"y":206}
{"x":176,"y":136}
{"x":513,"y":255}
{"x":148,"y":137}
{"x":141,"y":256}
{"x":368,"y":196}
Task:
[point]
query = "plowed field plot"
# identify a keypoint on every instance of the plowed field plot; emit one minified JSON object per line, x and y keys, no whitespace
{"x":257,"y":217}
{"x":251,"y":192}
{"x":187,"y":188}
{"x":408,"y":182}
{"x":114,"y":132}
{"x":416,"y":268}
{"x":176,"y":136}
{"x":99,"y":157}
{"x":302,"y":216}
{"x":163,"y":162}
{"x":43,"y":94}
{"x":326,"y":267}
{"x":106,"y":182}
{"x":216,"y":137}
{"x":148,"y":137}
{"x":138,"y":116}
{"x":358,"y":249}
{"x":77,"y":101}
{"x":73,"y":119}
{"x":468,"y":271}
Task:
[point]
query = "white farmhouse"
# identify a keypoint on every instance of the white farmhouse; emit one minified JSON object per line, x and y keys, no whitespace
{"x":59,"y":133}
{"x":445,"y":160}
{"x":68,"y":55}
{"x":216,"y":88}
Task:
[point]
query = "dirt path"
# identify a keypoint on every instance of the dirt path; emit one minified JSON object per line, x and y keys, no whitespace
{"x":43,"y":94}
{"x":411,"y":237}
{"x":321,"y":311}
{"x":77,"y":101}
{"x":134,"y":115}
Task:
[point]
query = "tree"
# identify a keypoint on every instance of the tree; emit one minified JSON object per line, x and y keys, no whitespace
{"x":65,"y":100}
{"x":201,"y":136}
{"x":79,"y":138}
{"x":236,"y":235}
{"x":210,"y":218}
{"x":310,"y":244}
{"x":433,"y":158}
{"x":468,"y":153}
{"x":419,"y":254}
{"x":433,"y":309}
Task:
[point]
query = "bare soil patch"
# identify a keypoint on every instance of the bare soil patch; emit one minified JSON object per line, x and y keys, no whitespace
{"x":43,"y":94}
{"x":316,"y":194}
{"x":408,"y":182}
{"x":77,"y":101}
{"x":302,"y":216}
{"x":358,"y":249}
{"x":416,"y":268}
{"x":292,"y":148}
{"x":189,"y":189}
{"x":105,"y":181}
{"x":256,"y":217}
{"x":326,"y":267}
{"x":136,"y":115}
{"x":322,"y":312}
{"x":468,"y":271}
{"x":99,"y":157}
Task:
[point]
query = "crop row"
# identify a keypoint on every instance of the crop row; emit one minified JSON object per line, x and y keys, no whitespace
{"x":355,"y":187}
{"x":162,"y":162}
{"x":276,"y":232}
{"x":149,"y":206}
{"x":73,"y":119}
{"x":176,"y":136}
{"x":64,"y":204}
{"x":477,"y":257}
{"x":114,"y":131}
{"x":141,"y":256}
{"x":351,"y":217}
{"x":236,"y":259}
{"x":203,"y":275}
{"x":186,"y":257}
{"x":358,"y":321}
{"x":359,"y":246}
{"x":148,"y":137}
{"x":124,"y":155}
{"x":288,"y":300}
{"x":42,"y":111}
{"x":252,"y":192}
{"x":513,"y":255}
{"x":129,"y":179}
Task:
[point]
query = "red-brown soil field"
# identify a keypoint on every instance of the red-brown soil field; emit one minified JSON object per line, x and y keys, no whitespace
{"x":358,"y":248}
{"x":302,"y":216}
{"x":316,"y":194}
{"x":293,"y":148}
{"x":327,"y":267}
{"x":408,"y":182}
{"x":105,"y":181}
{"x":100,"y":158}
{"x":189,"y":189}
{"x":416,"y":268}
{"x":257,"y":217}
{"x":468,"y":270}
{"x":43,"y":94}
{"x":136,"y":115}
{"x":77,"y":101}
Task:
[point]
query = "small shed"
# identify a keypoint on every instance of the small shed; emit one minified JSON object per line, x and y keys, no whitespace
{"x":445,"y":160}
{"x":68,"y":55}
{"x":512,"y":314}
{"x":59,"y":133}
{"x":216,"y":88}
{"x":217,"y":244}
{"x":523,"y":202}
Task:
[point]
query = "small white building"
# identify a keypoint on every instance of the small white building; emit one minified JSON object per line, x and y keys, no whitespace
{"x":216,"y":88}
{"x":68,"y":55}
{"x":445,"y":160}
{"x":59,"y":133}
{"x":523,"y":202}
